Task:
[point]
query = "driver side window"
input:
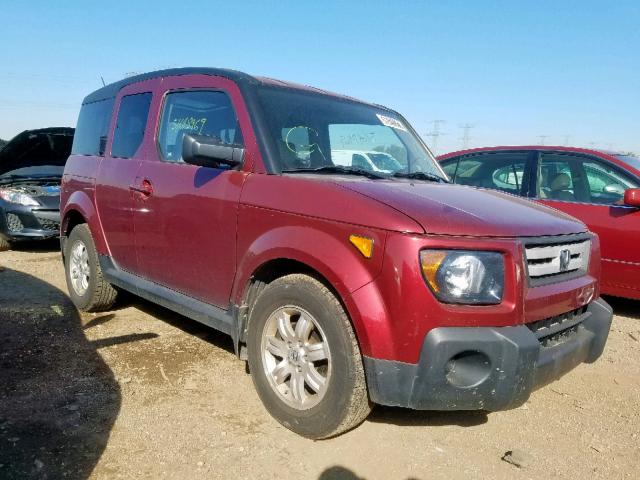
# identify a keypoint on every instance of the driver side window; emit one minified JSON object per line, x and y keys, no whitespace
{"x":575,"y":178}
{"x":196,"y":112}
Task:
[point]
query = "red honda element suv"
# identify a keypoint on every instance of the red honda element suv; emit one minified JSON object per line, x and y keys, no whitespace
{"x":216,"y":194}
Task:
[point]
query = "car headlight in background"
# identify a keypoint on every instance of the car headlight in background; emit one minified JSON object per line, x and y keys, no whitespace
{"x":461,"y":276}
{"x":14,"y":196}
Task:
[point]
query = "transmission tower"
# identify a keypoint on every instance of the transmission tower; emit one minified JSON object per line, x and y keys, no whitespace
{"x":434,"y":134}
{"x":466,"y":128}
{"x":567,"y":140}
{"x":542,"y":138}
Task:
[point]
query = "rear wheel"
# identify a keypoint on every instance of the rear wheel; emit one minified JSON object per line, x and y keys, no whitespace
{"x":88,"y":289}
{"x":305,"y":360}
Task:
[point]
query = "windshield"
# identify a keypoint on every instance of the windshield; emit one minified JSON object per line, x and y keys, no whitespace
{"x":630,"y":160}
{"x":312,"y":131}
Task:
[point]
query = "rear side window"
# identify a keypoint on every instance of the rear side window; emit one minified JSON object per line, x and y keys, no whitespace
{"x":132,"y":121}
{"x":196,"y":112}
{"x":91,"y":131}
{"x":503,"y":171}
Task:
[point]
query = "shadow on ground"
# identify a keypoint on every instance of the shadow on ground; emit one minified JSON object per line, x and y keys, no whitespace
{"x":625,"y":307}
{"x":405,"y":417}
{"x":50,"y":245}
{"x":187,"y":325}
{"x":58,"y":399}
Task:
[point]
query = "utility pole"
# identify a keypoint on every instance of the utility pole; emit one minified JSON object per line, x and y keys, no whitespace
{"x":465,"y":135}
{"x":435,"y":134}
{"x":542,"y":138}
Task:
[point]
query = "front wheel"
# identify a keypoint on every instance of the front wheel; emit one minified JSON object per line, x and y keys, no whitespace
{"x":305,"y":360}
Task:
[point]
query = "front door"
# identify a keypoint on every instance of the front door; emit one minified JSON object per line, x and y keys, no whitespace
{"x":118,"y":170}
{"x":186,"y":225}
{"x":591,"y":189}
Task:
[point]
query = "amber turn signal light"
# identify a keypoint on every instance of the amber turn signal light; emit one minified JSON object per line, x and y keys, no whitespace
{"x":430,"y":261}
{"x":363,"y":244}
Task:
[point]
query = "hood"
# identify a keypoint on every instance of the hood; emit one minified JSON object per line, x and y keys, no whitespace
{"x":35,"y":148}
{"x":447,"y":209}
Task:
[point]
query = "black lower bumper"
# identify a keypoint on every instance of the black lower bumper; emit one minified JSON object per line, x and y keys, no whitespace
{"x":20,"y":223}
{"x":486,"y":368}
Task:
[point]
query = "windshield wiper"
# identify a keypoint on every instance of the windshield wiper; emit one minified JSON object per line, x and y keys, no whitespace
{"x":420,"y":176}
{"x":338,"y":169}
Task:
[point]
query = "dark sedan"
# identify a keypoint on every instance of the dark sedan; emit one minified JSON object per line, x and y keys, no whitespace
{"x":31,"y":167}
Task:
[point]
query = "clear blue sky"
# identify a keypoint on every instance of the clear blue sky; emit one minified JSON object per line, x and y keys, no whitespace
{"x":514,"y":69}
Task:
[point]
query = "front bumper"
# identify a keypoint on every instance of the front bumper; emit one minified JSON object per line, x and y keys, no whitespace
{"x":19,"y":223}
{"x":490,"y":368}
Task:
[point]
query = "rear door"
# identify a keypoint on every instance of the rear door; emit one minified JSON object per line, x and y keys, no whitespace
{"x":591,"y":189}
{"x":186,"y":225}
{"x":118,"y":170}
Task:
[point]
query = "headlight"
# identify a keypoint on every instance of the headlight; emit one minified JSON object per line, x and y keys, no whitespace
{"x":467,"y":277}
{"x":13,"y":196}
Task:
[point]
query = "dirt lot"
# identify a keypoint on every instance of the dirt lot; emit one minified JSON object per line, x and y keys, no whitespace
{"x":141,"y":392}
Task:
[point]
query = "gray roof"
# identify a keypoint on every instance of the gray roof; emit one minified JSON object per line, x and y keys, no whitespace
{"x":111,"y":90}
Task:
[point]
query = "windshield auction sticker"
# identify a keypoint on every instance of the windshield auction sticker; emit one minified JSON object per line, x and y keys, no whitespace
{"x":391,"y":122}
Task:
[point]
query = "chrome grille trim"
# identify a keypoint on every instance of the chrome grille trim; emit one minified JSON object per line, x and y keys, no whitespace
{"x":547,"y":260}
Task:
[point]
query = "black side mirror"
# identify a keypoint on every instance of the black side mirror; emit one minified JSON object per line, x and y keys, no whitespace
{"x":207,"y":151}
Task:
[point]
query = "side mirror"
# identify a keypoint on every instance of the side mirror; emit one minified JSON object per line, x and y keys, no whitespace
{"x":632,"y":197}
{"x":207,"y":151}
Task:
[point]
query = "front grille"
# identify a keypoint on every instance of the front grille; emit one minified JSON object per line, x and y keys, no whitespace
{"x":555,"y":330}
{"x":548,"y":261}
{"x":14,"y":222}
{"x":46,"y":224}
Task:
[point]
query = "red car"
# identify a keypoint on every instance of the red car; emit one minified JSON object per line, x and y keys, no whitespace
{"x":215,"y":194}
{"x":600,"y":188}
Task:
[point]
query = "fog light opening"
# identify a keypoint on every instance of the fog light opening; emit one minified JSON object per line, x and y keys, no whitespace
{"x":468,"y":369}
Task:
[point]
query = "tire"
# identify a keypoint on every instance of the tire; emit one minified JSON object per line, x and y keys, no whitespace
{"x":4,"y":245}
{"x":88,"y":289}
{"x":333,"y":396}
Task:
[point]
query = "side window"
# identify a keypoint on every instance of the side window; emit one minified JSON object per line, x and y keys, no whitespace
{"x":559,"y":179}
{"x":130,"y":126}
{"x":499,"y":171}
{"x":91,"y":130}
{"x":358,"y":161}
{"x":198,"y":112}
{"x":578,"y":178}
{"x":606,"y":185}
{"x":449,"y":167}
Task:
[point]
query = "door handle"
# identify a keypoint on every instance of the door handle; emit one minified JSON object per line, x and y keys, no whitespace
{"x":145,"y":188}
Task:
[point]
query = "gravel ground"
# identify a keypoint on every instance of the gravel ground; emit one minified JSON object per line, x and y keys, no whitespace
{"x":141,"y":392}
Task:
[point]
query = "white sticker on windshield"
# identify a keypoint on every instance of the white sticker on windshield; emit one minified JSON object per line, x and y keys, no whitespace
{"x":391,"y":122}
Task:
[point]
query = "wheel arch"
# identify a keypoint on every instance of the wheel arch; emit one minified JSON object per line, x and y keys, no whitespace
{"x":80,"y":209}
{"x":250,"y":286}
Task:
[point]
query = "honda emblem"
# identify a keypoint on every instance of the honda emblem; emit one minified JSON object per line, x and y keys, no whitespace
{"x":565,"y":258}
